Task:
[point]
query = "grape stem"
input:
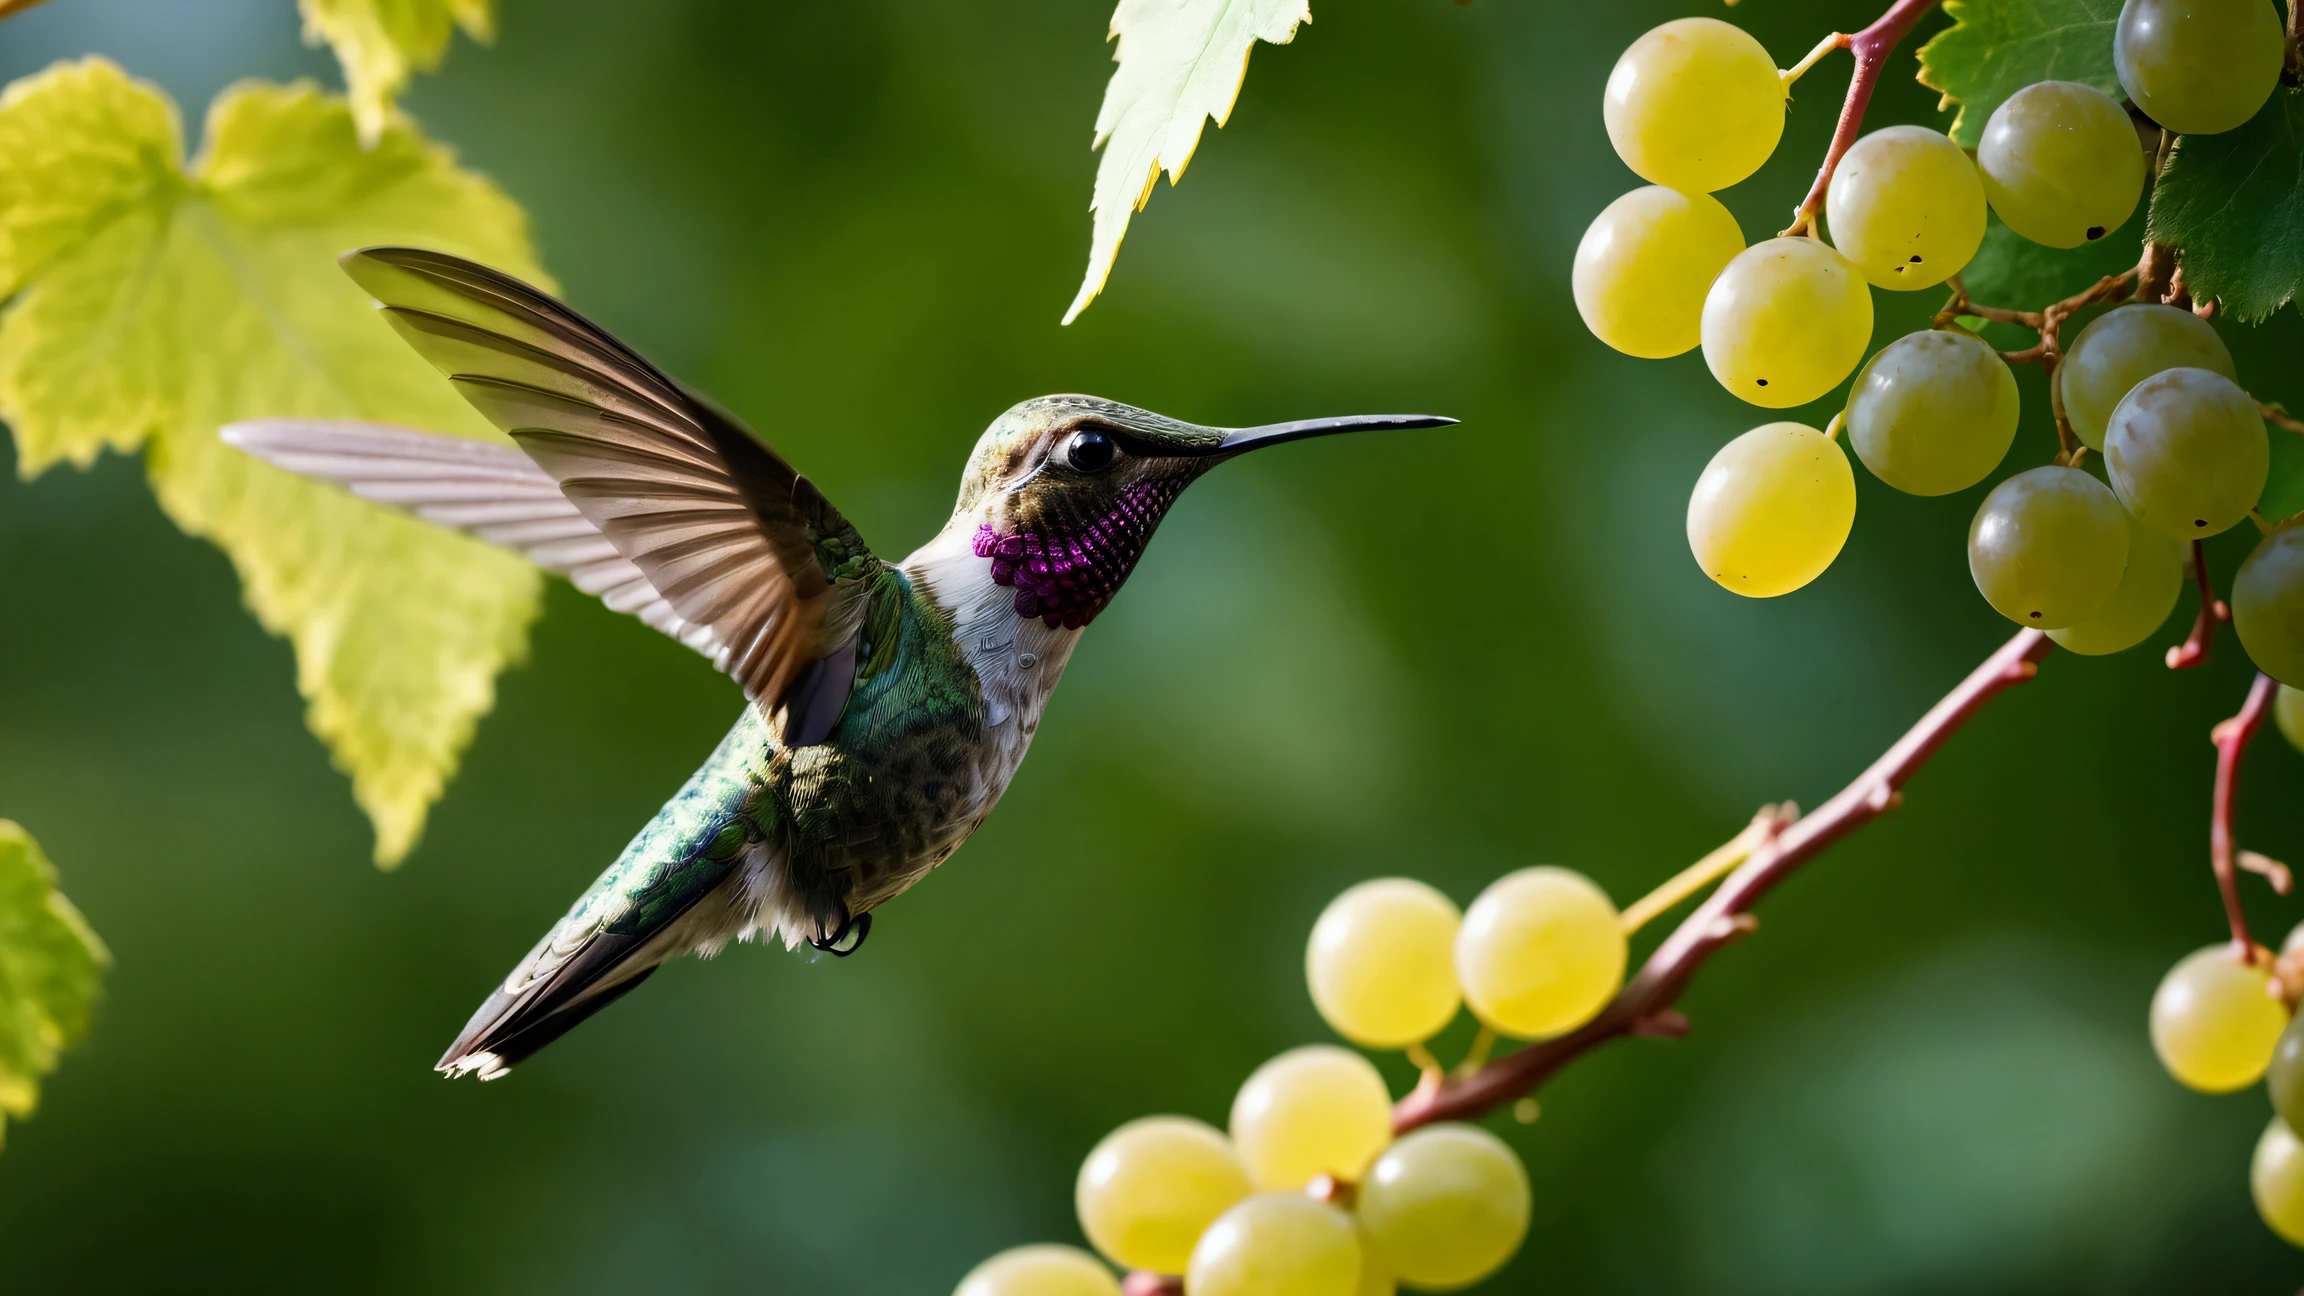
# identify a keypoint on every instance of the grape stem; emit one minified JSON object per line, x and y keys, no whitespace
{"x":2195,"y":648}
{"x":1645,"y":1005}
{"x":1871,"y":47}
{"x":2277,"y":415}
{"x":2048,"y":352}
{"x":2231,"y":738}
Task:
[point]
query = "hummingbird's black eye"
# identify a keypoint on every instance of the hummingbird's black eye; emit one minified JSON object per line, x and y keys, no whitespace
{"x":1090,"y":451}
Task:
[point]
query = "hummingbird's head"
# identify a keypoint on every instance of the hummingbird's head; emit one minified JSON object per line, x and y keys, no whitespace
{"x":1065,"y":491}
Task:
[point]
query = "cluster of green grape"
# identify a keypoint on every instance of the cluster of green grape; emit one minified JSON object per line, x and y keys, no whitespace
{"x":1697,"y":105}
{"x":2221,"y":1021}
{"x":1310,"y":1194}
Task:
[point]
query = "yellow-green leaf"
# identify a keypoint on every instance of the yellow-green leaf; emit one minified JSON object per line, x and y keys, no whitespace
{"x":49,"y":962}
{"x":1181,"y":63}
{"x":212,"y":294}
{"x":382,"y":43}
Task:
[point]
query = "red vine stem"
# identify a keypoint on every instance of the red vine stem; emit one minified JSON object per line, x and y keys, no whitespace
{"x":1871,"y":47}
{"x":1644,"y":1005}
{"x":2231,"y":738}
{"x":2195,"y":648}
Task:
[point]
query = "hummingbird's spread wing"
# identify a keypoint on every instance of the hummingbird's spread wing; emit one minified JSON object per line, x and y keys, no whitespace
{"x":492,"y":491}
{"x":727,"y":533}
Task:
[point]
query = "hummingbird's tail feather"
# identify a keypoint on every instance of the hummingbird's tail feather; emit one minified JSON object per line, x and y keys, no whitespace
{"x":676,"y":888}
{"x":513,"y":1024}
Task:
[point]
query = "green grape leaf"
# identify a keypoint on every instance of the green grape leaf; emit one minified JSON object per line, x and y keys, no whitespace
{"x":1995,"y":48}
{"x":182,"y":299}
{"x":2233,"y":205}
{"x":382,"y":43}
{"x":1181,"y":63}
{"x":49,"y":965}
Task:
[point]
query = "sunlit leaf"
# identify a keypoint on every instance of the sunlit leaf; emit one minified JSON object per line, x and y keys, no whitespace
{"x":49,"y":963}
{"x":1181,"y":63}
{"x":1997,"y":47}
{"x":382,"y":43}
{"x":2233,"y":204}
{"x":156,"y":304}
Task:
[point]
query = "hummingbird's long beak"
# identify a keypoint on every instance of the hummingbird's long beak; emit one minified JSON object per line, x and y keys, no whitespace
{"x":1239,"y":439}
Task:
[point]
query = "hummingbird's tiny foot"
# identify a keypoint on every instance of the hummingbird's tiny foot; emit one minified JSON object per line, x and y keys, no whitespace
{"x":848,"y":939}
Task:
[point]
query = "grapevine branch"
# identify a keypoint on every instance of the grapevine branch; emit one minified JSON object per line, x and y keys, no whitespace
{"x":2232,"y":738}
{"x":1645,"y":1005}
{"x":1775,"y":846}
{"x":1871,"y":47}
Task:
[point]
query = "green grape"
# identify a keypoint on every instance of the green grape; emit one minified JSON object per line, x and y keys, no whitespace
{"x":2061,"y":163}
{"x":1906,"y":207}
{"x":1153,"y":1186}
{"x":1644,"y":265}
{"x":1772,"y":509}
{"x":1540,"y":952}
{"x":1378,"y":963}
{"x":2048,"y":547}
{"x":2187,"y":452}
{"x":2268,"y":605}
{"x":2215,"y":1022}
{"x":2288,"y":712}
{"x":2198,"y":67}
{"x":2285,"y":1076}
{"x":1278,"y":1244}
{"x":1316,"y":1110}
{"x":2147,"y":592}
{"x":1445,"y":1206}
{"x":1695,"y":104}
{"x":1045,"y":1270}
{"x":1785,"y":322}
{"x":1375,"y":1278}
{"x":1934,"y":412}
{"x":2276,"y":1181}
{"x":2122,"y":348}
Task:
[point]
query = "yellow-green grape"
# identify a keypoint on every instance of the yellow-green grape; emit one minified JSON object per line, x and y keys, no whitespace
{"x":2147,"y":592}
{"x":2122,"y":348}
{"x":1934,"y":412}
{"x":1153,"y":1186}
{"x":2061,"y":163}
{"x":1785,"y":322}
{"x":2268,"y":605}
{"x":1379,"y":963}
{"x":1541,"y":951}
{"x":2288,"y":713}
{"x":2048,"y":547}
{"x":1316,"y":1110}
{"x":2276,"y":1181}
{"x":2198,"y":67}
{"x":1906,"y":207}
{"x":1772,"y":509}
{"x":1644,"y":265}
{"x":1375,"y":1278}
{"x":1045,"y":1270}
{"x":1446,"y":1206}
{"x":1277,"y":1244}
{"x":2187,"y":453}
{"x":1695,"y":104}
{"x":2215,"y":1022}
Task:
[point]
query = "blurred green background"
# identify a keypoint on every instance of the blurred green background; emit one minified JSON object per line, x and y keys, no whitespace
{"x":1444,"y":654}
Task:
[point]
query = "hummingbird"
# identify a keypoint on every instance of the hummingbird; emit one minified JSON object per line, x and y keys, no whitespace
{"x":887,"y":705}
